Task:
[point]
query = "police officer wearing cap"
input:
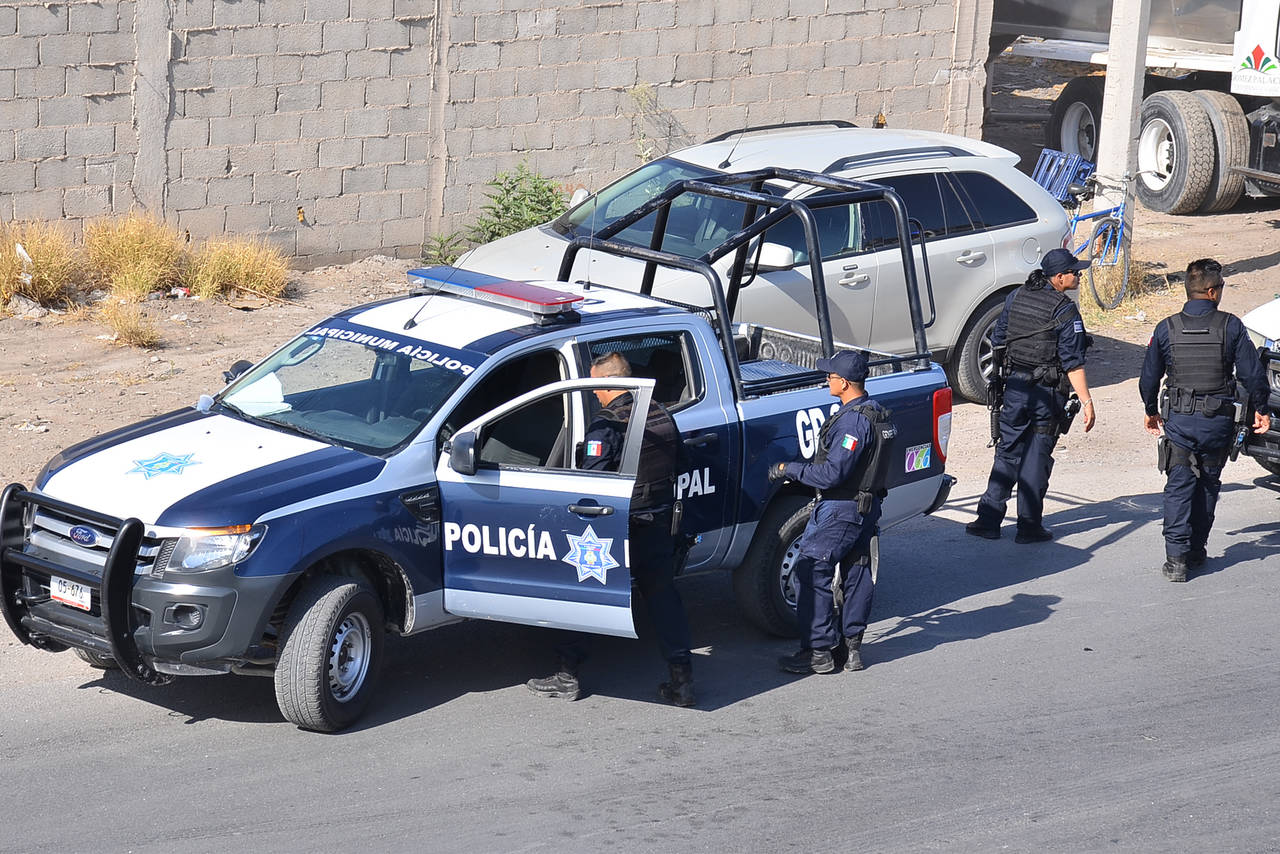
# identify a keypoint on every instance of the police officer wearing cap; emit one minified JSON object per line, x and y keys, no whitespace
{"x":1045,"y":343}
{"x":1200,"y":351}
{"x":837,"y":532}
{"x":651,"y":541}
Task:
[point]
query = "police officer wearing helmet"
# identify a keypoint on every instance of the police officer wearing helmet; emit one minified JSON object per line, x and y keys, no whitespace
{"x":1045,"y":342}
{"x":651,"y":541}
{"x":1200,"y":351}
{"x":848,"y":472}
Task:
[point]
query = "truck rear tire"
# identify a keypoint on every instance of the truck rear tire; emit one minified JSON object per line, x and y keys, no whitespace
{"x":1270,"y":465}
{"x":763,"y":583}
{"x":330,"y":653}
{"x":1076,"y":117}
{"x":1231,"y":141}
{"x":1175,"y":152}
{"x":96,"y":659}
{"x":973,"y":358}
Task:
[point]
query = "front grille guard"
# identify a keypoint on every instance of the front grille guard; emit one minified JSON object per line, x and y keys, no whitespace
{"x":115,"y":587}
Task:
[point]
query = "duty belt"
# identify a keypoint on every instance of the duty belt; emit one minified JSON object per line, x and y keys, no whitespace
{"x":1185,"y":403}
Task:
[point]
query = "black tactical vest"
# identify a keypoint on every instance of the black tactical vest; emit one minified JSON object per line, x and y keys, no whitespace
{"x":1032,"y":336}
{"x":872,"y":472}
{"x":659,"y":453}
{"x":1198,"y":355}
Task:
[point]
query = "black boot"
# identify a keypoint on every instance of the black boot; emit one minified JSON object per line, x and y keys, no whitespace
{"x":1175,"y":568}
{"x":679,"y":690}
{"x":561,"y":685}
{"x":809,"y":661}
{"x":1196,"y":557}
{"x":853,"y":660}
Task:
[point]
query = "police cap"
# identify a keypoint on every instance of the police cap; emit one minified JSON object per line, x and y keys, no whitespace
{"x":850,"y":364}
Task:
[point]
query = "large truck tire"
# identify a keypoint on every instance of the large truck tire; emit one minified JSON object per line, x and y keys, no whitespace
{"x":1231,"y":143}
{"x":330,"y":653}
{"x":1176,"y":152}
{"x":1076,"y":117}
{"x":764,"y":584}
{"x":973,"y":363}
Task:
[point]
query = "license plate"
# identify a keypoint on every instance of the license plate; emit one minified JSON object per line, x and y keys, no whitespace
{"x":70,"y":593}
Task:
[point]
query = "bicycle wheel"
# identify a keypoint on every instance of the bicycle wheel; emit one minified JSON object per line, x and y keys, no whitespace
{"x":1108,"y":263}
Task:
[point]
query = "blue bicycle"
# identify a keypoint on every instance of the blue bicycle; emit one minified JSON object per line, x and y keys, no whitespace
{"x":1108,"y":251}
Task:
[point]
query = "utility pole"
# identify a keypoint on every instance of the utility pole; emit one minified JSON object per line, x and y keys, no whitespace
{"x":1121,"y":101}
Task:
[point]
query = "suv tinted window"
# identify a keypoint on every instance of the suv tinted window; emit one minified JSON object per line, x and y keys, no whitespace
{"x":924,"y":203}
{"x":994,"y":205}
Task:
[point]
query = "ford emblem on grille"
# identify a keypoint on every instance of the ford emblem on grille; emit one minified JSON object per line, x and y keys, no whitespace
{"x":83,"y":536}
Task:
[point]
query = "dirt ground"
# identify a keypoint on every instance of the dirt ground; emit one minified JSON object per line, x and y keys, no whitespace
{"x":62,"y":382}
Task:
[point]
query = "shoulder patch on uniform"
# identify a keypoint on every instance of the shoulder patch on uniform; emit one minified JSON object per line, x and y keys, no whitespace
{"x":595,"y":448}
{"x":849,"y":442}
{"x":1078,"y":326}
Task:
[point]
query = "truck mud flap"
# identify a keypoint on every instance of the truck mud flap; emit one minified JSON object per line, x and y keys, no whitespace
{"x":944,"y":492}
{"x":115,"y":588}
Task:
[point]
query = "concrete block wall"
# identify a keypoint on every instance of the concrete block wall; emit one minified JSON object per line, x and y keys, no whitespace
{"x":382,"y":120}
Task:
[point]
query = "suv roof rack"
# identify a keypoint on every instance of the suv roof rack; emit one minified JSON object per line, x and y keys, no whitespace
{"x":729,"y":134}
{"x":897,"y":156}
{"x":842,"y":191}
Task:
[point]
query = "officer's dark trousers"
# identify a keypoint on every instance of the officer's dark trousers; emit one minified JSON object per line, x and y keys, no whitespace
{"x":830,"y":539}
{"x":1190,"y":502}
{"x":652,"y":551}
{"x":1028,"y":435}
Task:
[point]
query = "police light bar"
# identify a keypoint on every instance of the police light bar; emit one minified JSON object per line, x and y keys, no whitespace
{"x":544,"y":304}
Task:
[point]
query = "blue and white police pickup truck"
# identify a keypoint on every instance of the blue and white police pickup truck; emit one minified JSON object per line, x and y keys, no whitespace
{"x":412,"y":462}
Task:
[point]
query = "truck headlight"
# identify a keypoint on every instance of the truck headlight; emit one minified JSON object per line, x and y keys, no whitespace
{"x":211,"y":548}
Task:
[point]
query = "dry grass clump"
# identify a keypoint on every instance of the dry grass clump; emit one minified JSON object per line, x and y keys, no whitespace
{"x":52,"y":271}
{"x":134,"y":255}
{"x":252,"y":266}
{"x":129,"y":324}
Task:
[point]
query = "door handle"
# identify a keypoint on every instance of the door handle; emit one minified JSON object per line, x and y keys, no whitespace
{"x":591,"y":509}
{"x":855,"y":278}
{"x":971,"y":256}
{"x":702,"y":440}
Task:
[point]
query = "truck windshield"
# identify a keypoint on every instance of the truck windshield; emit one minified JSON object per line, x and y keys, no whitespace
{"x":696,"y":223}
{"x":351,"y":386}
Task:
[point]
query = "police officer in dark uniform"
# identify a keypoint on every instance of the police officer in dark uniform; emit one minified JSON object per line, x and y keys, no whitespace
{"x":842,"y":524}
{"x":1045,"y":343}
{"x":1200,"y":351}
{"x":651,"y":541}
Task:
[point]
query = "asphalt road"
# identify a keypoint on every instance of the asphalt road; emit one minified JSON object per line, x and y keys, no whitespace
{"x":1056,"y":697}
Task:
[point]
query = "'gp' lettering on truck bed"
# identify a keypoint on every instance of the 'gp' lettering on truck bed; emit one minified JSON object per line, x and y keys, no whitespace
{"x":808,"y":423}
{"x":517,"y":542}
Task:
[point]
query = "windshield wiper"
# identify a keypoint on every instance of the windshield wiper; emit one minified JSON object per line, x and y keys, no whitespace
{"x":302,"y":431}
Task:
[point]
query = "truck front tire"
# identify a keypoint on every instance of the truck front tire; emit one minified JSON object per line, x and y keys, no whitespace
{"x":1175,"y":152}
{"x":763,"y":583}
{"x":330,"y":653}
{"x":1076,"y":117}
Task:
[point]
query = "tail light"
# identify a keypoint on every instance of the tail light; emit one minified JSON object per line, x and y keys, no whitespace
{"x":941,"y":422}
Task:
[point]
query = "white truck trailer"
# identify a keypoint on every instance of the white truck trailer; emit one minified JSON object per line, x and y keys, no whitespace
{"x":1210,"y":118}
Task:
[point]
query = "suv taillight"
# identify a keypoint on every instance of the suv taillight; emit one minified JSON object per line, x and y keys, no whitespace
{"x":941,"y":421}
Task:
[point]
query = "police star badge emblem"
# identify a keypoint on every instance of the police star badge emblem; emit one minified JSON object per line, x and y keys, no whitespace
{"x":162,"y":463}
{"x":590,"y":555}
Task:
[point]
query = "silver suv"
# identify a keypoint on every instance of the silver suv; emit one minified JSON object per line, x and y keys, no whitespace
{"x":985,"y":224}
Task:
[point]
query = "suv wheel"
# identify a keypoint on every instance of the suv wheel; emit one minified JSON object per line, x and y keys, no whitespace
{"x":972,"y":364}
{"x":330,"y":653}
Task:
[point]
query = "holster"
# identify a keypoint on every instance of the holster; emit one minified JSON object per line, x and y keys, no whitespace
{"x":1163,"y":451}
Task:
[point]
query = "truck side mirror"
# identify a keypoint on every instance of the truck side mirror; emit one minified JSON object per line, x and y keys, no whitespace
{"x":579,"y":196}
{"x":775,"y":256}
{"x":462,"y":453}
{"x":236,"y":370}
